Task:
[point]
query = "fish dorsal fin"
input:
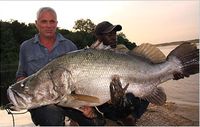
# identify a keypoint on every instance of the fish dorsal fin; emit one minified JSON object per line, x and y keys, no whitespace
{"x":157,"y":96}
{"x":86,"y":98}
{"x":150,"y":52}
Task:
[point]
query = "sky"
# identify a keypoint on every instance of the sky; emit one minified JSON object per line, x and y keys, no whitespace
{"x":142,"y":21}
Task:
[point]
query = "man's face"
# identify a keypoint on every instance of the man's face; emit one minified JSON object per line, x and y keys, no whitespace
{"x":47,"y":24}
{"x":110,"y":39}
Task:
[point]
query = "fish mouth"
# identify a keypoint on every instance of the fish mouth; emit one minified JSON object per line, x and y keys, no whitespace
{"x":16,"y":99}
{"x":11,"y":96}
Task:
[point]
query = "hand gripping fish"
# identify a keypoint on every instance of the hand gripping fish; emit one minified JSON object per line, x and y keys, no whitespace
{"x":83,"y":77}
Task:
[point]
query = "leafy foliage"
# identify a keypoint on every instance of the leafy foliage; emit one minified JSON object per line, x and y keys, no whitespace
{"x":123,"y":40}
{"x":84,"y":25}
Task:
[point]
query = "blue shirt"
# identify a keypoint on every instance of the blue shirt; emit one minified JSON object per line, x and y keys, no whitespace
{"x":33,"y":55}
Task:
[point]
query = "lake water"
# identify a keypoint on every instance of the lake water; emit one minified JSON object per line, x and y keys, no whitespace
{"x":183,"y":91}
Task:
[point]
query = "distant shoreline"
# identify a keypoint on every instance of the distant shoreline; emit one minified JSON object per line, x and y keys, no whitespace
{"x":177,"y":42}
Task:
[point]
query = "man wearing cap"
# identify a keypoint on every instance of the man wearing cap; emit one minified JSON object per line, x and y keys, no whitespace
{"x":131,"y":107}
{"x":105,"y":33}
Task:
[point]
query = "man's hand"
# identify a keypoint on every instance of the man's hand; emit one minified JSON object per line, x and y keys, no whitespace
{"x":88,"y":111}
{"x":117,"y":93}
{"x":20,"y":78}
{"x":95,"y":116}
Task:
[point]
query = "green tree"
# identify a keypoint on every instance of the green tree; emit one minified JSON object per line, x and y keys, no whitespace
{"x":8,"y":44}
{"x":80,"y":38}
{"x":85,"y":25}
{"x":9,"y":57}
{"x":13,"y":33}
{"x":121,"y":34}
{"x":123,"y":40}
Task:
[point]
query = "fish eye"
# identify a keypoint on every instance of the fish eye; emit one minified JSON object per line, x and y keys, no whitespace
{"x":22,"y":85}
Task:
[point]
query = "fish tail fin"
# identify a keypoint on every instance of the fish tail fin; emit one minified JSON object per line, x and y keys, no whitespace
{"x":188,"y":55}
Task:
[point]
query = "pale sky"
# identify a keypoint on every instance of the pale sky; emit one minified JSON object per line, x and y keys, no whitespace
{"x":142,"y":21}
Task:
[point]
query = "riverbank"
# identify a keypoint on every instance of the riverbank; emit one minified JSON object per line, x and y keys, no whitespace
{"x":170,"y":114}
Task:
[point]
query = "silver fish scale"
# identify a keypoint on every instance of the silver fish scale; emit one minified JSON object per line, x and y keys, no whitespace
{"x":92,"y":72}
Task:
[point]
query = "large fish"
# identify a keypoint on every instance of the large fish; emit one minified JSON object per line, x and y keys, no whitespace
{"x":83,"y":77}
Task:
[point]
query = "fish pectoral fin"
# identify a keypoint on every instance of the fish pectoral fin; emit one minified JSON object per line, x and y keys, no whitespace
{"x":86,"y":98}
{"x":157,"y":97}
{"x":117,"y":92}
{"x":149,"y":52}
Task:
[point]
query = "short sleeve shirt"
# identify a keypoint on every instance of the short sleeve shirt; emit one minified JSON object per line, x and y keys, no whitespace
{"x":100,"y":45}
{"x":33,"y":55}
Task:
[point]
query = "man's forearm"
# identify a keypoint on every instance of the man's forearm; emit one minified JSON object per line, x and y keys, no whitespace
{"x":20,"y":78}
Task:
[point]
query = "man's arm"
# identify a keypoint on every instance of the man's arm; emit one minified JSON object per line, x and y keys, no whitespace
{"x":20,"y":78}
